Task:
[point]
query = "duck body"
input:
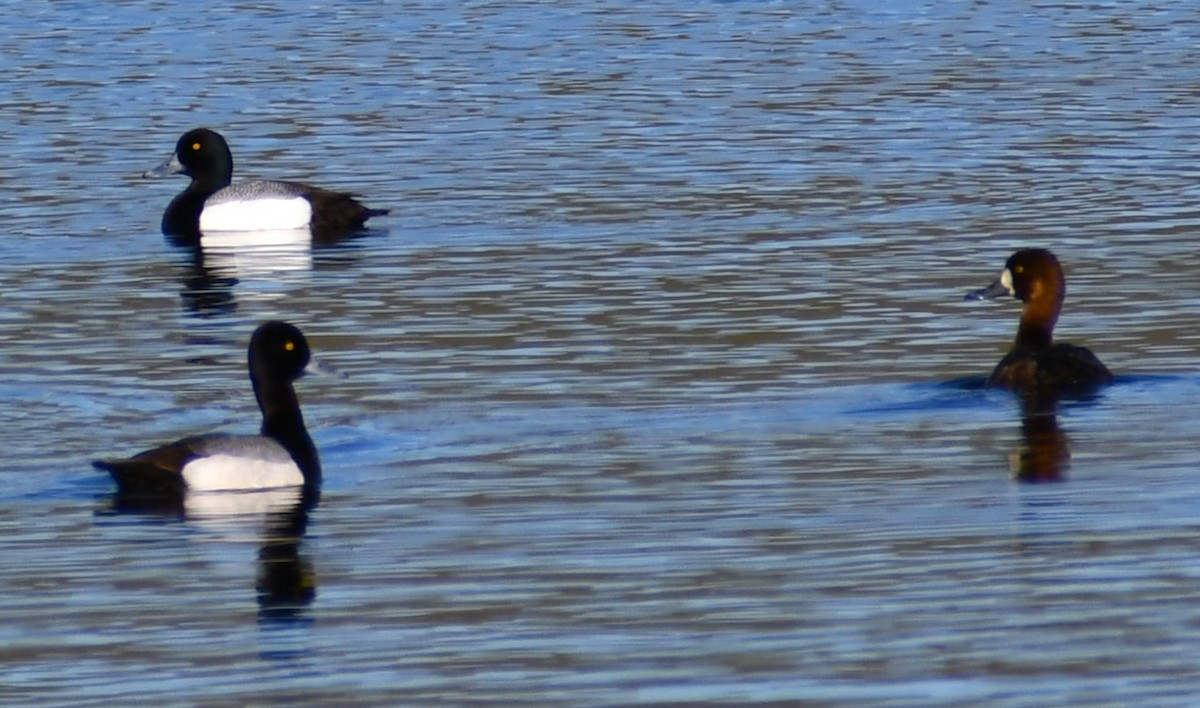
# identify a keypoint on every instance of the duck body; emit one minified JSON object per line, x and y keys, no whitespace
{"x":1036,"y":364}
{"x":281,"y":455}
{"x":1065,"y":368}
{"x":213,"y":462}
{"x":211,"y":202}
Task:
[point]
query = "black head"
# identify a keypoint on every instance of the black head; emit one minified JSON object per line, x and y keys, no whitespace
{"x":203,"y":154}
{"x":278,"y":352}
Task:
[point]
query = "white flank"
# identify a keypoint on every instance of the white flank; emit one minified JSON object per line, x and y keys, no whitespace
{"x":261,"y":214}
{"x":229,"y":472}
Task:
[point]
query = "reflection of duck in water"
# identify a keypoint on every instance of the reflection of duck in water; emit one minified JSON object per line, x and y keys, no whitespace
{"x":222,"y":270}
{"x":282,"y":455}
{"x":287,"y":582}
{"x":1045,"y":455}
{"x":1035,"y":363}
{"x":256,"y":266}
{"x":211,"y":203}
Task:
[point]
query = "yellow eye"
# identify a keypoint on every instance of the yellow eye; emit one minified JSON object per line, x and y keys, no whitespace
{"x":1019,"y":269}
{"x":289,"y":346}
{"x":195,"y":146}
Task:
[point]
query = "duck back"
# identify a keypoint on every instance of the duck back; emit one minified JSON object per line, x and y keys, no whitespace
{"x":1057,"y":368}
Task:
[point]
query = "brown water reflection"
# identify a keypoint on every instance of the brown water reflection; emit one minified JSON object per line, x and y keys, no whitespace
{"x":1045,"y":455}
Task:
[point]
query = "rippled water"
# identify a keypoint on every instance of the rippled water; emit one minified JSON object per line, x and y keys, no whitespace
{"x":656,"y":386}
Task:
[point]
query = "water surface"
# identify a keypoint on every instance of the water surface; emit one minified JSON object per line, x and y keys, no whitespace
{"x":657,"y":384}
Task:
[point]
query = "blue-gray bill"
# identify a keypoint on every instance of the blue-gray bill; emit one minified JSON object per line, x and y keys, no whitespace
{"x":171,"y":167}
{"x":996,"y":289}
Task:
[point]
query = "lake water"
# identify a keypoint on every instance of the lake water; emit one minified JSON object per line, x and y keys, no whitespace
{"x":657,"y":385}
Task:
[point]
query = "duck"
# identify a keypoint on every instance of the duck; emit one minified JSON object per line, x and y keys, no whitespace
{"x":1037,"y":364}
{"x":281,"y":455}
{"x":213,"y":203}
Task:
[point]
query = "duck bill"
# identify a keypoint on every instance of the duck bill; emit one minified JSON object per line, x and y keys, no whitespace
{"x":171,"y":167}
{"x":315,"y":367}
{"x":1002,"y":286}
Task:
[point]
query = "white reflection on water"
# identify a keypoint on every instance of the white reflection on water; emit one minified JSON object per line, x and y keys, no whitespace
{"x":258,"y":253}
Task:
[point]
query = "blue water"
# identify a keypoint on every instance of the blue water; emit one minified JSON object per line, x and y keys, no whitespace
{"x":657,"y":384}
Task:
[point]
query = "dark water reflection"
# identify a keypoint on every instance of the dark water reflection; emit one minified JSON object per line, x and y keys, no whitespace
{"x":1045,"y":455}
{"x":287,"y":580}
{"x":654,"y":379}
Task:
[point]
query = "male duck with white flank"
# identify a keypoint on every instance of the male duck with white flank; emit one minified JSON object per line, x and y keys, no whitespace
{"x":1036,"y":364}
{"x":211,"y":203}
{"x":282,"y":455}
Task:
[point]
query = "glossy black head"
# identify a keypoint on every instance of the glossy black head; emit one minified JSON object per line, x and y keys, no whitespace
{"x":203,"y":155}
{"x":278,"y":352}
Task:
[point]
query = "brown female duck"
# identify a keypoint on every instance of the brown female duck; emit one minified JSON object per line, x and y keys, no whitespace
{"x":1036,"y":364}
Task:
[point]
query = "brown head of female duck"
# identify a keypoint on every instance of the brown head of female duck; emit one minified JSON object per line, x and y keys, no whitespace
{"x":1035,"y":364}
